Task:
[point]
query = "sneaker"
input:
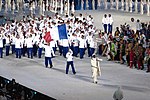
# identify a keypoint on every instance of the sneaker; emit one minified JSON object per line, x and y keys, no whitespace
{"x":51,"y":66}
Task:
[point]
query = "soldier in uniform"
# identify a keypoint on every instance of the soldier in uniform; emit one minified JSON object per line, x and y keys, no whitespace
{"x":96,"y":71}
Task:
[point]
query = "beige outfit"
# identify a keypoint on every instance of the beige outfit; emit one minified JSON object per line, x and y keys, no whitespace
{"x":96,"y":71}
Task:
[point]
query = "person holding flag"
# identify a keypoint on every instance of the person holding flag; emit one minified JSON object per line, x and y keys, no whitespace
{"x":48,"y":54}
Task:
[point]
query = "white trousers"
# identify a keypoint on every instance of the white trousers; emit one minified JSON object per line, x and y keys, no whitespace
{"x":94,"y":74}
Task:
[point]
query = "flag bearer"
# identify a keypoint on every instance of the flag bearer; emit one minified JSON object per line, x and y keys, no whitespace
{"x":48,"y":55}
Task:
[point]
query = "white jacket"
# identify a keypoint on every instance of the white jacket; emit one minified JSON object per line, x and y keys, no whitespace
{"x":105,"y":20}
{"x":110,"y":20}
{"x":82,"y":43}
{"x":69,"y":56}
{"x":7,"y":41}
{"x":18,"y":43}
{"x":96,"y":66}
{"x":92,"y":44}
{"x":65,"y":43}
{"x":29,"y":42}
{"x":75,"y":41}
{"x":48,"y":51}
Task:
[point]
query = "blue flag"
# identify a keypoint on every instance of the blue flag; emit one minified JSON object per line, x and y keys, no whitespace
{"x":62,"y":31}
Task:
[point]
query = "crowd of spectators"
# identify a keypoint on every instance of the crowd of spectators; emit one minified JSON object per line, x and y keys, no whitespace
{"x":128,"y":45}
{"x":11,"y":90}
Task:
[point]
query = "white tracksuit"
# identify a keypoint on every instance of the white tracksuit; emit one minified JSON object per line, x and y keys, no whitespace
{"x":96,"y":71}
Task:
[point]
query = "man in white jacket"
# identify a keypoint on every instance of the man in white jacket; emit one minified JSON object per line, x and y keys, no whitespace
{"x":110,"y":23}
{"x":105,"y":23}
{"x":70,"y":61}
{"x":29,"y":44}
{"x":18,"y":44}
{"x":82,"y":46}
{"x":96,"y":71}
{"x":7,"y":45}
{"x":48,"y":55}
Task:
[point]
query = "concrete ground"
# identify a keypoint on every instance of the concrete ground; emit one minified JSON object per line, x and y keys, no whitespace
{"x":55,"y":83}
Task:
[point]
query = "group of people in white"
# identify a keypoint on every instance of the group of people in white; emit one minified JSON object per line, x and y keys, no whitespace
{"x":107,"y":22}
{"x":26,"y":37}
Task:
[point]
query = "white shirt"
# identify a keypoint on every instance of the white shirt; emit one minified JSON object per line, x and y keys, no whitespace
{"x":18,"y":43}
{"x":138,"y":26}
{"x":48,"y":51}
{"x":40,"y":43}
{"x":69,"y":56}
{"x":60,"y":42}
{"x":53,"y":44}
{"x":110,"y":20}
{"x":36,"y":39}
{"x":95,"y":62}
{"x":89,"y":38}
{"x":13,"y":40}
{"x":75,"y":41}
{"x":7,"y":40}
{"x":65,"y":43}
{"x":82,"y":43}
{"x":104,"y":20}
{"x":29,"y":42}
{"x":92,"y":44}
